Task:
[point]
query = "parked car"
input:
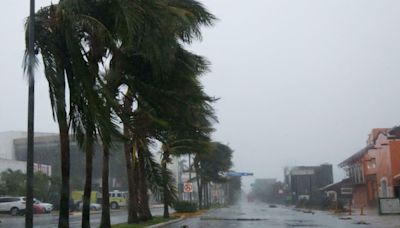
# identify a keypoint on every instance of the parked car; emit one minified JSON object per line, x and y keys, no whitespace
{"x":48,"y":207}
{"x":38,"y":209}
{"x":12,"y":205}
{"x":93,"y":206}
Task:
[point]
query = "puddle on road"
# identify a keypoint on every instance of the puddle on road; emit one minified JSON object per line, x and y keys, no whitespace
{"x":233,"y":219}
{"x":301,"y":223}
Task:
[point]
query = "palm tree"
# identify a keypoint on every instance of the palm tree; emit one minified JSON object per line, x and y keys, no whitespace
{"x":209,"y":164}
{"x":31,"y":106}
{"x":61,"y":31}
{"x":147,"y":43}
{"x":51,"y":46}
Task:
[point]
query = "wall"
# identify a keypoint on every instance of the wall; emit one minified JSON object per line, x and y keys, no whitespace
{"x":395,"y":157}
{"x":12,"y":164}
{"x":7,"y":145}
{"x":360,"y":196}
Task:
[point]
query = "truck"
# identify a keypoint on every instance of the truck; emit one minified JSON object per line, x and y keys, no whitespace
{"x":117,"y":198}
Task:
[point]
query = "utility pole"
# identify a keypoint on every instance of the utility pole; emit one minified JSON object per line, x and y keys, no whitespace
{"x":31,"y":111}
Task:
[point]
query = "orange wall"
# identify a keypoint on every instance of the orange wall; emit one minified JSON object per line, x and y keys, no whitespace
{"x":395,"y":157}
{"x":360,"y":196}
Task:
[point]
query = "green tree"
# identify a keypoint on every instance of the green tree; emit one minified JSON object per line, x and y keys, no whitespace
{"x":209,"y":165}
{"x":13,"y":183}
{"x":142,"y":40}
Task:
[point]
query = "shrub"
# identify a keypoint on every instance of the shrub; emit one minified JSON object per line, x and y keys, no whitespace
{"x":185,"y":206}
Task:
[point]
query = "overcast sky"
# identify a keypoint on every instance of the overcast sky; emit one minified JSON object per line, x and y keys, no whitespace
{"x":301,"y":82}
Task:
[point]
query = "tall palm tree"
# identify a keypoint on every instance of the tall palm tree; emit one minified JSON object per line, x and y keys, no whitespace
{"x":141,"y":31}
{"x":61,"y":31}
{"x":146,"y":69}
{"x":51,"y":44}
{"x":31,"y":107}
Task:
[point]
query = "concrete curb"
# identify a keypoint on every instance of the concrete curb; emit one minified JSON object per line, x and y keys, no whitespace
{"x":166,"y":223}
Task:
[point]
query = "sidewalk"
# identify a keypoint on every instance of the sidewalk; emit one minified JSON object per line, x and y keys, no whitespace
{"x":371,"y":216}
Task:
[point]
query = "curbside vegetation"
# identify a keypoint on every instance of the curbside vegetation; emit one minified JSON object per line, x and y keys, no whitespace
{"x":185,"y":206}
{"x":155,"y":222}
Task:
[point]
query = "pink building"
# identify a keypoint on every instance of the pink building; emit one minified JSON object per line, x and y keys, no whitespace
{"x":375,"y":169}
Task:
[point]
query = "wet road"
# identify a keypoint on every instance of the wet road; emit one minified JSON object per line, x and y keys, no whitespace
{"x":51,"y":220}
{"x":261,"y":215}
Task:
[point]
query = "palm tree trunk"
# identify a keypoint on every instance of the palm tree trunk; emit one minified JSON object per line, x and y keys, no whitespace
{"x":208,"y":195}
{"x":144,"y":198}
{"x":105,"y":209}
{"x":88,"y":186}
{"x":128,"y":149}
{"x":199,"y":186}
{"x":164,"y":163}
{"x":63,"y":220}
{"x":31,"y":112}
{"x":132,"y":198}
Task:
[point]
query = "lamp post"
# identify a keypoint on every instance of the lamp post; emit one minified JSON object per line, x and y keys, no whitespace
{"x":31,"y":106}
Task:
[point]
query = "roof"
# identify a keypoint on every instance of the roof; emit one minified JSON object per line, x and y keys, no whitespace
{"x":357,"y":156}
{"x":344,"y":182}
{"x":395,"y":132}
{"x":372,"y":137}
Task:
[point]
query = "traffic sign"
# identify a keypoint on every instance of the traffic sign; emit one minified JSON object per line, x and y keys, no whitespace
{"x":187,"y":187}
{"x":236,"y":174}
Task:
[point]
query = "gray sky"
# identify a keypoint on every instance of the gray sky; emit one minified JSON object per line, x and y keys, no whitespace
{"x":301,"y":82}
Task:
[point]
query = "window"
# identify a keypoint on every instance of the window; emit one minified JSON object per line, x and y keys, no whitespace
{"x":346,"y":191}
{"x":384,"y":188}
{"x":356,"y":174}
{"x":371,"y":164}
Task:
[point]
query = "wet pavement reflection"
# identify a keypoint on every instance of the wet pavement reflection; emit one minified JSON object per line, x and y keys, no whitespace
{"x":262,"y":215}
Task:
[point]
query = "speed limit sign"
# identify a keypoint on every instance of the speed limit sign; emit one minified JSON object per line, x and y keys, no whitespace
{"x":187,"y":187}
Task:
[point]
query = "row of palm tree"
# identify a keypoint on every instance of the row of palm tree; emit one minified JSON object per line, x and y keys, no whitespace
{"x":119,"y":71}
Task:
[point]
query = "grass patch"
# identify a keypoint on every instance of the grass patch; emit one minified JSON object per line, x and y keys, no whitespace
{"x":155,"y":220}
{"x":190,"y":214}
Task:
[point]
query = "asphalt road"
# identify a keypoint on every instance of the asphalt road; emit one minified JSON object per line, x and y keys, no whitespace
{"x":51,"y":220}
{"x":261,"y":215}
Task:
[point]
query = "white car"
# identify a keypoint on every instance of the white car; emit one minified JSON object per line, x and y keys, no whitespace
{"x":13,"y":205}
{"x":93,"y":206}
{"x":48,"y":207}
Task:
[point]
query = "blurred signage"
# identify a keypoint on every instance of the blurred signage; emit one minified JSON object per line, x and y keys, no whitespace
{"x":187,"y":187}
{"x":46,"y":169}
{"x":389,"y":206}
{"x":238,"y":174}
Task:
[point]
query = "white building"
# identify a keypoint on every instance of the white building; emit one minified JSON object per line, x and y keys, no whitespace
{"x":7,"y":152}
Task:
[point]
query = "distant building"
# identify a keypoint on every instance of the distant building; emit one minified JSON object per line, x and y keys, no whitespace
{"x":304,"y":182}
{"x":7,"y":153}
{"x":268,"y":190}
{"x":7,"y":150}
{"x":47,"y":152}
{"x":264,"y":186}
{"x":374,"y":171}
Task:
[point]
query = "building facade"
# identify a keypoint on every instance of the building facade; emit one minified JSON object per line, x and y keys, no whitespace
{"x":305,"y":182}
{"x":47,"y":152}
{"x":375,"y":169}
